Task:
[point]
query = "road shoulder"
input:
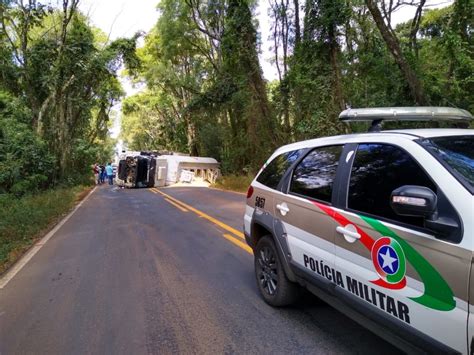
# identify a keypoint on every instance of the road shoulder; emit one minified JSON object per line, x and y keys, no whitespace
{"x":36,"y":245}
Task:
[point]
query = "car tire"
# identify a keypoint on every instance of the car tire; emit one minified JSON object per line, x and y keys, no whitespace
{"x":272,"y":282}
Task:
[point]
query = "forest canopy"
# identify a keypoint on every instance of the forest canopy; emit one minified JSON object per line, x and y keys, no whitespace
{"x":204,"y":89}
{"x":58,"y":83}
{"x":206,"y":94}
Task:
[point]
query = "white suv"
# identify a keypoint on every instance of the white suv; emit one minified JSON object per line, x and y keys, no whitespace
{"x":379,"y":225}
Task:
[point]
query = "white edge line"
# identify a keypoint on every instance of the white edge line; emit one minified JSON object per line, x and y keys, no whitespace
{"x":10,"y":274}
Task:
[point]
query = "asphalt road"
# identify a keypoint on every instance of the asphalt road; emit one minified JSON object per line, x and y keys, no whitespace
{"x":131,"y":273}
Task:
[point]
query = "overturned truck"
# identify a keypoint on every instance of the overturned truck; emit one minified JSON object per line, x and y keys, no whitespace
{"x":136,"y":169}
{"x":149,"y":169}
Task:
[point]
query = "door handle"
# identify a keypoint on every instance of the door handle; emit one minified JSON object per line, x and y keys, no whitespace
{"x":283,"y":207}
{"x":348,"y":232}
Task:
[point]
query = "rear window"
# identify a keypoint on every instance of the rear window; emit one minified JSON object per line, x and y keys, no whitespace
{"x":457,"y":154}
{"x":273,"y":172}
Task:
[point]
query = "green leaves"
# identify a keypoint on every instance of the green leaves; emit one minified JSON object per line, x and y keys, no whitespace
{"x":206,"y":95}
{"x":61,"y":77}
{"x":25,"y":163}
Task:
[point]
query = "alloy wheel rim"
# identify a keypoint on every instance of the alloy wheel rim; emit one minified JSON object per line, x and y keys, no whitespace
{"x":268,"y":272}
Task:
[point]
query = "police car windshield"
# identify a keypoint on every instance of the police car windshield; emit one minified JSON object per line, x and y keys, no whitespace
{"x":457,"y":154}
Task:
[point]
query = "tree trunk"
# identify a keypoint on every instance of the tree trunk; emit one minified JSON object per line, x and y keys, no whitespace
{"x":338,"y":94}
{"x":281,"y":32}
{"x":415,"y":26}
{"x":191,"y":135}
{"x":393,"y":45}
{"x":285,"y":98}
{"x":297,"y":23}
{"x":241,"y":62}
{"x":62,"y":133}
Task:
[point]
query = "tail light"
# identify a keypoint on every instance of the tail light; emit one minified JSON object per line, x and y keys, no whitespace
{"x":250,"y":191}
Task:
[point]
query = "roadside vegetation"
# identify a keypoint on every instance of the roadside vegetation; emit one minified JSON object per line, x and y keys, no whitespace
{"x":232,"y":182}
{"x":26,"y":219}
{"x":58,"y":83}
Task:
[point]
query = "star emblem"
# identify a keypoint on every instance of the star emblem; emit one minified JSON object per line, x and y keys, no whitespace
{"x":388,"y":260}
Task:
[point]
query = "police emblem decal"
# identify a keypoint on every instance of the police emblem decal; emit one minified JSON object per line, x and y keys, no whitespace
{"x":389,"y":260}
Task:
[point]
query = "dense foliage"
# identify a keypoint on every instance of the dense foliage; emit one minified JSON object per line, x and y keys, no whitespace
{"x":58,"y":83}
{"x":25,"y":162}
{"x":205,"y":93}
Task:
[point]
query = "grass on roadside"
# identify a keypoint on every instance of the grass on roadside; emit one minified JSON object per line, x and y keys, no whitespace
{"x":24,"y":220}
{"x":238,"y":183}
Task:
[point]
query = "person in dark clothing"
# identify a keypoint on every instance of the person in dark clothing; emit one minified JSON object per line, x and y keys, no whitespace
{"x":102,"y":174}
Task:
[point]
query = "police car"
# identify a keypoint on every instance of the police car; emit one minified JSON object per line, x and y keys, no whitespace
{"x":380,"y":225}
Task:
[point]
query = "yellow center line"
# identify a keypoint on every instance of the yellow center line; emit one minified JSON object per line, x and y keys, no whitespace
{"x":229,"y":237}
{"x":237,"y":242}
{"x":203,"y":215}
{"x":176,"y":205}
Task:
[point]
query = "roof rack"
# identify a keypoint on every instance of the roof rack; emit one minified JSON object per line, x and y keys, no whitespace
{"x":379,"y":114}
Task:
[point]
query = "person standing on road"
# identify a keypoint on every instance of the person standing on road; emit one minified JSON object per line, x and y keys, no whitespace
{"x":96,"y":171}
{"x":99,"y":168}
{"x":110,"y":173}
{"x":102,"y":174}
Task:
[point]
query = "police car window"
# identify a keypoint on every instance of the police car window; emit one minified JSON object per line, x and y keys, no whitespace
{"x":273,"y":172}
{"x":378,"y":169}
{"x":314,"y":175}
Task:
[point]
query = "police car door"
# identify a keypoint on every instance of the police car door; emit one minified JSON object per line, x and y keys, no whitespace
{"x":392,"y":264}
{"x":310,"y":232}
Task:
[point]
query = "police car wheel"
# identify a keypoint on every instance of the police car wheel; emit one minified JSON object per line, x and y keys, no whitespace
{"x":272,"y":282}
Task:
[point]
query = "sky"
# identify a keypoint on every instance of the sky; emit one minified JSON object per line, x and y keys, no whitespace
{"x":121,"y":18}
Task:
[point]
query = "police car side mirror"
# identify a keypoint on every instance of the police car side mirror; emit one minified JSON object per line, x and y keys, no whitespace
{"x":419,"y":201}
{"x":415,"y":201}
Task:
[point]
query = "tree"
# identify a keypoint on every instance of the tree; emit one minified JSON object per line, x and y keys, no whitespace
{"x":52,"y":61}
{"x":249,"y":103}
{"x":206,"y":94}
{"x":201,"y":68}
{"x":281,"y":34}
{"x":393,"y":44}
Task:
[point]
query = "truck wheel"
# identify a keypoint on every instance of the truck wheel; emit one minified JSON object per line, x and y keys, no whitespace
{"x":272,"y":282}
